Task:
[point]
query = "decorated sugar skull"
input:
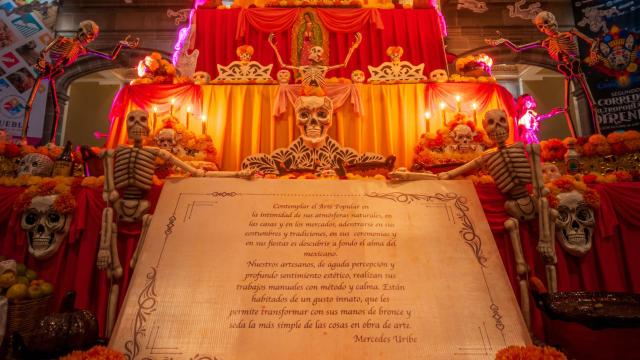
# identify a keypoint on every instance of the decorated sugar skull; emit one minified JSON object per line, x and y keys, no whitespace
{"x":496,"y":125}
{"x":463,"y":137}
{"x":167,"y":139}
{"x":88,"y":31}
{"x":550,"y":172}
{"x":314,"y":115}
{"x":245,"y":52}
{"x":284,"y":76}
{"x":35,"y":164}
{"x":395,"y":53}
{"x":438,"y":75}
{"x":575,"y":223}
{"x":201,"y":78}
{"x":46,"y":227}
{"x":546,"y":23}
{"x":357,"y":76}
{"x":137,"y":125}
{"x":316,"y":54}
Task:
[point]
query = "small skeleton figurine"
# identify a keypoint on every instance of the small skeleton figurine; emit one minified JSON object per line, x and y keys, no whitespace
{"x":62,"y":52}
{"x":129,"y":174}
{"x":313,"y":76}
{"x":529,"y":120}
{"x":563,"y":48}
{"x":510,"y":169}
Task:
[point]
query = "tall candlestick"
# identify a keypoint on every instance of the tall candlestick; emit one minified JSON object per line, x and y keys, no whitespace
{"x":444,"y":114}
{"x":457,"y":103}
{"x":155,"y":117}
{"x":427,"y":116}
{"x":475,"y":116}
{"x":203,"y":118}
{"x":188,"y":112}
{"x":173,"y":101}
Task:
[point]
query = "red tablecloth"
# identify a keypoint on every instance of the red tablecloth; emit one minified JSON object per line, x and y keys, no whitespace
{"x":613,"y":264}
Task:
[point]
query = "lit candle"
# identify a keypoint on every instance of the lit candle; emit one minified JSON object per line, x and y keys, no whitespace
{"x":155,"y":117}
{"x":458,"y":103}
{"x":173,"y":101}
{"x":444,"y":114}
{"x":203,"y":118}
{"x":188,"y":113}
{"x":475,"y":115}
{"x":427,"y":116}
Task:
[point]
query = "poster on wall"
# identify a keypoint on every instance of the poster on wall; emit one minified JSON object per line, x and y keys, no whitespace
{"x":26,"y":27}
{"x":612,"y":62}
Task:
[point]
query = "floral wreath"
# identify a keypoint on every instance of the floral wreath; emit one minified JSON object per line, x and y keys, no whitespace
{"x":568,"y":183}
{"x":65,"y":203}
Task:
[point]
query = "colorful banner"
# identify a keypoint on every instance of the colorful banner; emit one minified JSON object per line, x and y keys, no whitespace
{"x":612,"y":62}
{"x":26,"y":27}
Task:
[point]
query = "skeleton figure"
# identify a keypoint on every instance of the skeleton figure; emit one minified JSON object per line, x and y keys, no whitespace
{"x":575,"y":223}
{"x":35,"y":164}
{"x":314,"y":118}
{"x":201,"y":78}
{"x":46,"y":227}
{"x":357,"y":76}
{"x":462,"y":139}
{"x":313,"y":76}
{"x":563,"y":48}
{"x":60,"y":53}
{"x":509,"y":167}
{"x":283,"y":76}
{"x":550,"y":172}
{"x":439,"y":76}
{"x":167,"y":139}
{"x":529,"y":120}
{"x":129,"y":174}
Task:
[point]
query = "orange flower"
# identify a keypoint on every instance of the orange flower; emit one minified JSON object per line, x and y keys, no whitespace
{"x":95,"y":353}
{"x":529,"y":352}
{"x":592,"y":198}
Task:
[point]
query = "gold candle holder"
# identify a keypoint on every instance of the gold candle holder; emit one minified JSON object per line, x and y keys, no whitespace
{"x":173,"y":101}
{"x":444,"y":113}
{"x":203,"y":119}
{"x":155,"y":117}
{"x":458,"y":106}
{"x":427,"y":116}
{"x":188,"y":114}
{"x":475,"y":113}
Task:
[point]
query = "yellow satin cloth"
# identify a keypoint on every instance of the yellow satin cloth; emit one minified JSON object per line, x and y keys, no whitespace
{"x":240,"y":121}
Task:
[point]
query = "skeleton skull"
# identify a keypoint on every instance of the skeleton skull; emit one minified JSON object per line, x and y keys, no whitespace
{"x":314,"y":115}
{"x":46,"y":227}
{"x":438,"y":75}
{"x":137,"y":125}
{"x":550,"y":172}
{"x":284,"y":76}
{"x":166,"y":139}
{"x":575,"y":223}
{"x":245,"y":52}
{"x":88,"y":31}
{"x":546,"y":23}
{"x":395,"y":53}
{"x":316,"y":53}
{"x":35,"y":164}
{"x":463,"y":137}
{"x":201,"y":78}
{"x":357,"y":76}
{"x":496,"y":125}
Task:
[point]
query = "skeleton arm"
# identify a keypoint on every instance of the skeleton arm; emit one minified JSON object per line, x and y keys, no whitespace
{"x":553,"y":112}
{"x":171,"y":159}
{"x":127,"y":42}
{"x":353,"y":47}
{"x":581,"y":35}
{"x":511,"y":45}
{"x":404,"y":175}
{"x":272,"y":42}
{"x":109,"y":194}
{"x":471,"y":165}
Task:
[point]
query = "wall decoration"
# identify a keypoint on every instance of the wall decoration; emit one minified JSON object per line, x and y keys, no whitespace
{"x":526,"y":13}
{"x":29,"y":52}
{"x":477,"y":7}
{"x":27,"y":25}
{"x":9,"y":60}
{"x":6,"y":35}
{"x":22,"y":80}
{"x":180,"y":16}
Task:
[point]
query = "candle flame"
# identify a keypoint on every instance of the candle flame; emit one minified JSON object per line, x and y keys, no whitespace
{"x":155,"y":109}
{"x":203,"y":117}
{"x":173,"y":101}
{"x":189,"y":108}
{"x":427,"y":114}
{"x":442,"y":105}
{"x":457,"y":98}
{"x":474,"y":106}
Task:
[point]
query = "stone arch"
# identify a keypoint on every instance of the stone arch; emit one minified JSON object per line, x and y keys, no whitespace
{"x":84,"y":66}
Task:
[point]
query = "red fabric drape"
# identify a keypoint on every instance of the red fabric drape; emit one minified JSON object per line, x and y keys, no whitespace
{"x":146,"y":97}
{"x":349,"y":20}
{"x":613,"y":264}
{"x":417,"y":31}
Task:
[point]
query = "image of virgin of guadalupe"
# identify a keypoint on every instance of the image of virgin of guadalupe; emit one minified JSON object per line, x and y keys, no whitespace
{"x":309,"y":34}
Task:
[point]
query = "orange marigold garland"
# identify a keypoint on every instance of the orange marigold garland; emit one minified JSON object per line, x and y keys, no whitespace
{"x":95,"y":353}
{"x":530,"y":352}
{"x":65,"y":202}
{"x":568,"y":183}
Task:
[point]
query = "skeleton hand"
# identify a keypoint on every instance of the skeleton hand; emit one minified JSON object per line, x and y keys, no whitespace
{"x":198,"y":173}
{"x":104,"y":259}
{"x":358,"y":40}
{"x":444,"y":176}
{"x":547,"y":252}
{"x":246,"y":173}
{"x":399,"y":174}
{"x":130,"y":42}
{"x":272,"y":39}
{"x":494,"y":42}
{"x":41,"y":64}
{"x":110,"y":196}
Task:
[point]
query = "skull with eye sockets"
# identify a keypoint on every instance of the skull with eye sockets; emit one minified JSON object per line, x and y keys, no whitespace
{"x":314,"y":116}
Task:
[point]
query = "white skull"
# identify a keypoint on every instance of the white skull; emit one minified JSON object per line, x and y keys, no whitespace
{"x":137,"y":125}
{"x":88,"y":31}
{"x":357,"y":76}
{"x":496,"y":125}
{"x":35,"y":164}
{"x":316,"y":53}
{"x":46,"y":227}
{"x":438,"y":75}
{"x":546,"y":23}
{"x":314,"y":115}
{"x":284,"y":76}
{"x":575,"y":223}
{"x":167,"y":139}
{"x":463,"y":137}
{"x":550,"y":172}
{"x":201,"y":78}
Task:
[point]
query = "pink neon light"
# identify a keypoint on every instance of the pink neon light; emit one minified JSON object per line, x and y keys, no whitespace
{"x":183,"y":32}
